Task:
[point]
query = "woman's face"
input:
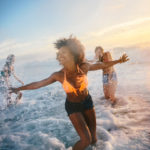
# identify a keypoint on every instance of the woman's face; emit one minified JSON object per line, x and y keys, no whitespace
{"x":13,"y":60}
{"x":107,"y":57}
{"x":64,"y":56}
{"x":99,"y":54}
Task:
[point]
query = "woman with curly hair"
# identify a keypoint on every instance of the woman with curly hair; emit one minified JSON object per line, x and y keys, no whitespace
{"x":73,"y":77}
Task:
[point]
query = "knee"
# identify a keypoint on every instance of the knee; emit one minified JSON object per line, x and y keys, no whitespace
{"x":87,"y":140}
{"x":107,"y":96}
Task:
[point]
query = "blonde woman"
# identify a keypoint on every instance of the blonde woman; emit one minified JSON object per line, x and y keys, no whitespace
{"x":109,"y":74}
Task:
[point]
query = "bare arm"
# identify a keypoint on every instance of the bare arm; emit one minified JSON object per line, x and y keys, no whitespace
{"x":36,"y":85}
{"x":17,"y":77}
{"x":100,"y":65}
{"x":7,"y":82}
{"x":91,"y":61}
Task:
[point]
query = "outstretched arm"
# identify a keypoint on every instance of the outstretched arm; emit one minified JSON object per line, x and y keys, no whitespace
{"x":100,"y":65}
{"x":17,"y":77}
{"x":36,"y":85}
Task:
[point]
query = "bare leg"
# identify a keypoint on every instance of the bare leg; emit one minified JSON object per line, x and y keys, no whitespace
{"x":109,"y":91}
{"x":82,"y":129}
{"x":106,"y":91}
{"x":90,"y":119}
{"x":112,"y":91}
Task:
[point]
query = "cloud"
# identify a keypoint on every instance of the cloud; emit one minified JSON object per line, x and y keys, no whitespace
{"x":125,"y":34}
{"x":133,"y":33}
{"x":111,"y":6}
{"x":39,"y":47}
{"x":12,"y":46}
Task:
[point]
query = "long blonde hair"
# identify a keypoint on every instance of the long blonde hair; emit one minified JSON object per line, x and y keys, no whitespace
{"x":107,"y":57}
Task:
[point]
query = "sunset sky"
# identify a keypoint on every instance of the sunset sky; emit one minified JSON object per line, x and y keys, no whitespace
{"x":32,"y":26}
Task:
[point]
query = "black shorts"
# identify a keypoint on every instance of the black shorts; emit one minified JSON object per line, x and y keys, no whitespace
{"x":72,"y":107}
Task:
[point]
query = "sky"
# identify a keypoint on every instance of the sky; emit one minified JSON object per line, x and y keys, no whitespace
{"x":30,"y":27}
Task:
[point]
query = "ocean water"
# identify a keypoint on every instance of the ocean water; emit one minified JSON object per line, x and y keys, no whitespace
{"x":39,"y":121}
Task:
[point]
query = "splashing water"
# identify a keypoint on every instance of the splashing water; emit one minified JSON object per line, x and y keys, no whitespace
{"x":40,"y":122}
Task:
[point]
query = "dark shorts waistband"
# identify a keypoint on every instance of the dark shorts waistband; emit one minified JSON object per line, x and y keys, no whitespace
{"x":72,"y":107}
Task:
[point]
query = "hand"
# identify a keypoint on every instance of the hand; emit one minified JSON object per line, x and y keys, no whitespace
{"x":13,"y":90}
{"x":123,"y":58}
{"x":21,"y":82}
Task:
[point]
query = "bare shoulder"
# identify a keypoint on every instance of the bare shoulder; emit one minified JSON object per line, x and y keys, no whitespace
{"x":85,"y":66}
{"x":58,"y":76}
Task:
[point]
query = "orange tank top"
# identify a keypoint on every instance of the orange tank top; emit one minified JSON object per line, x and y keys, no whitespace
{"x":68,"y":88}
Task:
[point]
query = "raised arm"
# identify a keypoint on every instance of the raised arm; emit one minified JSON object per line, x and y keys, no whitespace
{"x":35,"y":85}
{"x":103,"y":65}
